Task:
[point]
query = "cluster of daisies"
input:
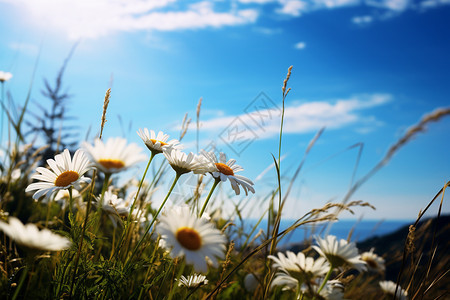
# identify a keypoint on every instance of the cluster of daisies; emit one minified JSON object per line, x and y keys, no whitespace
{"x":309,"y":277}
{"x":183,"y":232}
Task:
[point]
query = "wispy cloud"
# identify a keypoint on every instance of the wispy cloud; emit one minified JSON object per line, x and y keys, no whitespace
{"x":301,"y":118}
{"x":300,"y":46}
{"x":91,"y":19}
{"x":394,"y":5}
{"x":268,"y":31}
{"x":362,"y":20}
{"x":427,"y":4}
{"x":29,"y":49}
{"x":386,"y":9}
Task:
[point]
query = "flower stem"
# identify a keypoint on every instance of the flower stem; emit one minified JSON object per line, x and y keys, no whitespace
{"x":216,"y":182}
{"x":325,"y":280}
{"x":153,"y":220}
{"x":3,"y":106}
{"x":70,"y":202}
{"x":83,"y":230}
{"x":139,"y":188}
{"x":21,"y":281}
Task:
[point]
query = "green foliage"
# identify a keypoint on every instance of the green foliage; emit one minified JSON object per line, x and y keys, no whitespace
{"x":120,"y":258}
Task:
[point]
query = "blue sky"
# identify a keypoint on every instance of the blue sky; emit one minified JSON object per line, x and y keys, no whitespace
{"x":364,"y":69}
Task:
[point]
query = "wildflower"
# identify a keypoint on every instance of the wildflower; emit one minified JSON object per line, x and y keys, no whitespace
{"x":339,"y":253}
{"x":192,"y":237}
{"x":5,"y":76}
{"x":31,"y":237}
{"x":223,"y":170}
{"x":157,"y":143}
{"x":285,"y":280}
{"x":193,"y":281}
{"x":333,"y":290}
{"x":389,"y":288}
{"x":15,"y":174}
{"x":299,"y":267}
{"x":373,"y":261}
{"x":113,"y":206}
{"x":65,"y":173}
{"x":114,"y":156}
{"x":184,"y":163}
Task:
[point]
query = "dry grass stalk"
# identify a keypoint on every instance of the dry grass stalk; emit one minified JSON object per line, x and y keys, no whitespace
{"x":410,"y":239}
{"x":286,"y":81}
{"x":184,"y":126}
{"x":105,"y":108}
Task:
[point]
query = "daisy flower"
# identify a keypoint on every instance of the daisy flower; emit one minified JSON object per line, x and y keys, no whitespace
{"x":184,"y":163}
{"x":113,"y":206}
{"x":114,"y":155}
{"x":193,"y":281}
{"x":373,"y":261}
{"x":156,"y":143}
{"x":65,"y":173}
{"x":299,"y":266}
{"x":223,"y":170}
{"x":389,"y":288}
{"x":5,"y":76}
{"x":194,"y":238}
{"x":31,"y":237}
{"x":333,"y":290}
{"x":339,"y":253}
{"x":285,"y":280}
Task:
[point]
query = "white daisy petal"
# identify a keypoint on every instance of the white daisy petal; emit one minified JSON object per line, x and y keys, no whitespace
{"x":340,"y":253}
{"x":157,"y":143}
{"x":389,"y":288}
{"x":224,"y":171}
{"x":191,"y":237}
{"x":31,"y":237}
{"x":66,"y":173}
{"x":115,"y":155}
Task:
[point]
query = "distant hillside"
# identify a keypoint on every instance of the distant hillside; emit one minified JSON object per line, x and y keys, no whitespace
{"x":391,"y":246}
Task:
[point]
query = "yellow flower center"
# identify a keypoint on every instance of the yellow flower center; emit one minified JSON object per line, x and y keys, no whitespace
{"x":189,"y":238}
{"x":224,"y":169}
{"x":112,"y":163}
{"x":66,"y":178}
{"x":155,"y":141}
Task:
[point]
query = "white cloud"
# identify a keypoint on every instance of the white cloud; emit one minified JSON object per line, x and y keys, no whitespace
{"x":432,"y":4}
{"x":362,"y":20}
{"x":256,"y":1}
{"x":300,"y":45}
{"x":393,"y":5}
{"x":300,"y":118}
{"x":297,"y":7}
{"x":292,"y":7}
{"x":268,"y":31}
{"x":91,"y":19}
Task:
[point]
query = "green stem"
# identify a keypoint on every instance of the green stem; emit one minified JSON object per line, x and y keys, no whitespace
{"x":105,"y":183}
{"x":23,"y":276}
{"x":3,"y":112}
{"x":83,"y":230}
{"x":216,"y":182}
{"x":325,"y":280}
{"x":153,"y":220}
{"x":139,"y":188}
{"x":70,"y":202}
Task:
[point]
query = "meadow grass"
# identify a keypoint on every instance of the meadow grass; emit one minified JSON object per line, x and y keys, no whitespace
{"x":92,"y":238}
